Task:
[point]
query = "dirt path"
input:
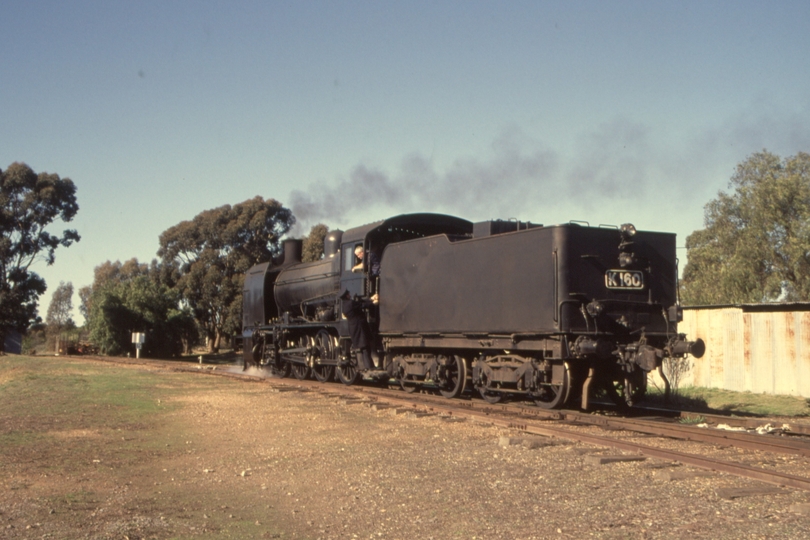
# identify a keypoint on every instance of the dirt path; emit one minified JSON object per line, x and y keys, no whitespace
{"x":89,"y":450}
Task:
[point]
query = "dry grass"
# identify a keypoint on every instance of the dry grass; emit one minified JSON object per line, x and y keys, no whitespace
{"x":717,"y":401}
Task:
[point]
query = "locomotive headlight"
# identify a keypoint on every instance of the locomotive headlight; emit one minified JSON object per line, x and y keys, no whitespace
{"x":626,"y":259}
{"x":595,"y":308}
{"x":628,"y":230}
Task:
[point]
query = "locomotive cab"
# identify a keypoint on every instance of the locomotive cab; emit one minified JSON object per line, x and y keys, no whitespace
{"x":376,"y":237}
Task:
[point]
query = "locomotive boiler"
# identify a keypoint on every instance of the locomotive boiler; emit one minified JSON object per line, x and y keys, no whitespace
{"x":501,"y":308}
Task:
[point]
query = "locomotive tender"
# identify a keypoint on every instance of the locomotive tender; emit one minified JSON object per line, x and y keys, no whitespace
{"x":503,"y":308}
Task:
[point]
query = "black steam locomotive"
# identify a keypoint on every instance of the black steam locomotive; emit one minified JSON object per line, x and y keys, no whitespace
{"x":504,"y":308}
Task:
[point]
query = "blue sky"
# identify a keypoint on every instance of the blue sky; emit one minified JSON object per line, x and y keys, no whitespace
{"x":348,"y":112}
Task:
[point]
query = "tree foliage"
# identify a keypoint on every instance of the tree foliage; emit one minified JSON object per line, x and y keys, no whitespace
{"x":130,"y":297}
{"x":60,"y":316}
{"x":29,"y":203}
{"x":755,"y":246}
{"x":108,"y":272}
{"x":313,"y":243}
{"x":214,"y":250}
{"x":59,"y":319}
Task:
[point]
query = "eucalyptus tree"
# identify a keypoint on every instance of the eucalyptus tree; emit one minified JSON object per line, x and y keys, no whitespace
{"x":60,"y":310}
{"x":214,"y":250}
{"x":132,"y":297}
{"x":29,"y":204}
{"x":755,"y":246}
{"x":313,"y":244}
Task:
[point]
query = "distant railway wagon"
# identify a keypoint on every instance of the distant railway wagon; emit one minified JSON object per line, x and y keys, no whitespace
{"x":501,"y":308}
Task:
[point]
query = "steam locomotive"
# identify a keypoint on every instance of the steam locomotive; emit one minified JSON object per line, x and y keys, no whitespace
{"x":501,"y":308}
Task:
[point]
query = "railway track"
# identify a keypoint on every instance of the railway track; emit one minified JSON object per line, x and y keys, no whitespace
{"x":618,"y":433}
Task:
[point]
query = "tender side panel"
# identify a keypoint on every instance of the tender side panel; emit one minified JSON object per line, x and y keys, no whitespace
{"x":498,"y":284}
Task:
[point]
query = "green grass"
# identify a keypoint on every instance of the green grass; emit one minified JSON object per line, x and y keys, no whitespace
{"x":717,"y":401}
{"x":19,"y":438}
{"x":692,"y":420}
{"x":41,"y":397}
{"x":68,"y":416}
{"x":64,"y":389}
{"x":71,"y":429}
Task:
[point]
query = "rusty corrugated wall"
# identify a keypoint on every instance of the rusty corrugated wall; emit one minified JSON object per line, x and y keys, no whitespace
{"x":758,"y":351}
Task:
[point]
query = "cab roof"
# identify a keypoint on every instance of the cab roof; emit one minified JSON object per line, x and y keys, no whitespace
{"x":422,"y":224}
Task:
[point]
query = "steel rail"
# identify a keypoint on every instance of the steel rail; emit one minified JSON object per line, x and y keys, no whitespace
{"x":690,"y":433}
{"x":495,"y":418}
{"x":638,"y":425}
{"x":749,"y":422}
{"x":738,"y":439}
{"x":748,"y":441}
{"x":513,"y":418}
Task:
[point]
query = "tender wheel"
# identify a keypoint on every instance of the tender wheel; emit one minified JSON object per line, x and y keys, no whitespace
{"x":408,"y":385}
{"x":327,"y":350}
{"x":489,"y":396}
{"x":552,"y":396}
{"x":402,"y":379}
{"x":486,"y":394}
{"x":452,"y":377}
{"x":636,"y":382}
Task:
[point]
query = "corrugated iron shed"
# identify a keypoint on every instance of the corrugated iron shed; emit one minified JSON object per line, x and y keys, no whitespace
{"x":763,"y":348}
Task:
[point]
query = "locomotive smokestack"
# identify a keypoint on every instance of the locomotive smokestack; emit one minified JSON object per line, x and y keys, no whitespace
{"x":293,"y":250}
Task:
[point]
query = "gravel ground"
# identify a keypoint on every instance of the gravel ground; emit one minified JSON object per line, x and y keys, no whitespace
{"x":248,"y":461}
{"x":339,"y":470}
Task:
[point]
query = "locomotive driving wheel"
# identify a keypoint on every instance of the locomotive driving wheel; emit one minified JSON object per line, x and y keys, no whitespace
{"x":452,"y":377}
{"x":347,"y":373}
{"x":327,"y":350}
{"x":552,"y":396}
{"x":301,"y":371}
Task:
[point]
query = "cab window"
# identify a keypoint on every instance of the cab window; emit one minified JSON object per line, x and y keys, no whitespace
{"x":349,"y":258}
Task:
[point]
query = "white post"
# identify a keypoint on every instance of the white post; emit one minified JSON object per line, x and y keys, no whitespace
{"x":138,"y":339}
